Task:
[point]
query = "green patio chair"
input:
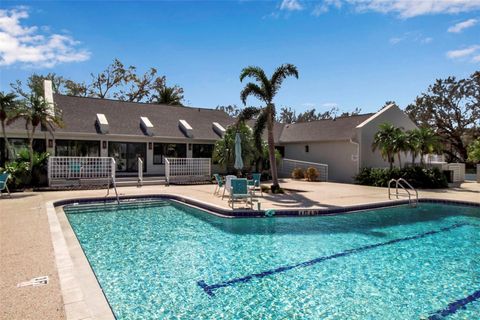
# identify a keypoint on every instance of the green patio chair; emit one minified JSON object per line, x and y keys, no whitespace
{"x":239,"y":190}
{"x":3,"y":182}
{"x":254,"y":184}
{"x":220,"y":183}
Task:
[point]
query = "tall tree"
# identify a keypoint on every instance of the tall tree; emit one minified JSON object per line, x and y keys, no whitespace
{"x":451,"y":107}
{"x":287,"y":115}
{"x":35,"y":111}
{"x":264,"y":89}
{"x":112,"y":77}
{"x":8,"y":105}
{"x":232,"y":110}
{"x":413,"y":143}
{"x":171,"y":96}
{"x":384,"y":141}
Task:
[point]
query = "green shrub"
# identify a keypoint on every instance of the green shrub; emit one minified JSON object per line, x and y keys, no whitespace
{"x":418,"y":177}
{"x":311,"y":174}
{"x":297,"y":173}
{"x":19,"y":169}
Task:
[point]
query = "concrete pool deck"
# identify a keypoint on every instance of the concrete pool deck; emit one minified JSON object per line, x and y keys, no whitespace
{"x":26,"y":249}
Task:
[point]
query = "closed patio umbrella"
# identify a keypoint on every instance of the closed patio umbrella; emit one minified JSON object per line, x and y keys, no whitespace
{"x":238,"y":152}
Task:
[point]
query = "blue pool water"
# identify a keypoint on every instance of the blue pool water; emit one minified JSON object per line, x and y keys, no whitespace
{"x":164,"y":260}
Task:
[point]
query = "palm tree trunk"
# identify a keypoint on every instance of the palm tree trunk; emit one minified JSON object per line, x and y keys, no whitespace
{"x":271,"y":153}
{"x":7,"y":144}
{"x":390,"y":158}
{"x":399,"y":161}
{"x":30,"y":146}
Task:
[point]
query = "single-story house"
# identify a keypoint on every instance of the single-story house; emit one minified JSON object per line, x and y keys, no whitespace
{"x":126,"y":130}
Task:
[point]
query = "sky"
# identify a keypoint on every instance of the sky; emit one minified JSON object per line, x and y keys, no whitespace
{"x":349,"y":53}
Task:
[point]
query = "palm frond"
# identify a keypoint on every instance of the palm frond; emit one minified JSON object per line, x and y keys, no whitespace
{"x":254,"y":90}
{"x":285,"y":70}
{"x":254,"y":72}
{"x":247,"y":113}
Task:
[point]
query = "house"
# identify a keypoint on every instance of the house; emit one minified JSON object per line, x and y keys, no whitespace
{"x":127,"y":131}
{"x":343,"y":143}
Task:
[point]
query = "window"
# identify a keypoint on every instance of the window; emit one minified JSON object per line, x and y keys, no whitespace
{"x":168,"y":150}
{"x":77,"y":148}
{"x":202,"y":151}
{"x":18,"y":144}
{"x":307,"y":149}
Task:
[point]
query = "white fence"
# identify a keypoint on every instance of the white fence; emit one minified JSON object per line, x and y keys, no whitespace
{"x":457,"y":168}
{"x":80,"y":171}
{"x":187,"y":170}
{"x":288,"y":165}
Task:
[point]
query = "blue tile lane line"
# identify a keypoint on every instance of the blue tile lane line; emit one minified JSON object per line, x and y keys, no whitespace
{"x":209,"y":289}
{"x":455,"y":306}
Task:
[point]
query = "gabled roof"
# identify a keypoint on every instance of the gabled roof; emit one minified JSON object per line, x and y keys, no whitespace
{"x":79,"y":116}
{"x":339,"y":129}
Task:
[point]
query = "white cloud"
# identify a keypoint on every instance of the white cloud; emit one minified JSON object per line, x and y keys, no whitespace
{"x":330,"y":105}
{"x":413,"y":8}
{"x":291,"y":5}
{"x":459,"y":27}
{"x":395,"y":40}
{"x":325,"y":6}
{"x":414,"y":36}
{"x":32,"y":46}
{"x":465,"y":53}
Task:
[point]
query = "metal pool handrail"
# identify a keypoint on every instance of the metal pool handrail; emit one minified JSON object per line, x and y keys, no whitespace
{"x":409,"y":192}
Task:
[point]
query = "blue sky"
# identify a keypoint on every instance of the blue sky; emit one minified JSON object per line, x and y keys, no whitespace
{"x":350,"y":53}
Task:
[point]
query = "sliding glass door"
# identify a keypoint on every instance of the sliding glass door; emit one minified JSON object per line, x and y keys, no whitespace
{"x":126,"y":155}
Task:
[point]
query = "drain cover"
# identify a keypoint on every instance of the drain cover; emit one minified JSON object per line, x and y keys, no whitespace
{"x":35,"y":282}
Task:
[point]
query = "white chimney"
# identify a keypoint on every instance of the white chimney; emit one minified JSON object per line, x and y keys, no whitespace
{"x":48,"y":96}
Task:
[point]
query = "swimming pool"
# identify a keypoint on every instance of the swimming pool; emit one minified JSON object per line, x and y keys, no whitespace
{"x":162,"y":259}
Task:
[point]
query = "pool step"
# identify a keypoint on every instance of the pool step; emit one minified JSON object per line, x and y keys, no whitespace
{"x":133,"y":181}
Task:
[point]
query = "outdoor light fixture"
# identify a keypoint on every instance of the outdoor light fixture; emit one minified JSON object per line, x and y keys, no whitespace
{"x":50,"y":143}
{"x":150,"y":145}
{"x":190,"y":147}
{"x":104,"y":144}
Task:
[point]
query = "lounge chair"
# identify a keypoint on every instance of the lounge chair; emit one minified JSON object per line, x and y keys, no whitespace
{"x":239,"y":190}
{"x":254,"y":184}
{"x":220,"y":183}
{"x":227,"y":184}
{"x":3,"y":182}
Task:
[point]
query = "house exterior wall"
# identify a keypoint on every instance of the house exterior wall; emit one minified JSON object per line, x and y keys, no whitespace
{"x":336,"y":154}
{"x":366,"y":132}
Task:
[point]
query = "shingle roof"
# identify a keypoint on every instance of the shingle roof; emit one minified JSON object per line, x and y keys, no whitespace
{"x":79,"y":115}
{"x":342,"y":128}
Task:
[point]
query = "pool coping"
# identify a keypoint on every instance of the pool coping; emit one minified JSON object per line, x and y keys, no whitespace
{"x":82,"y":294}
{"x":250,"y":213}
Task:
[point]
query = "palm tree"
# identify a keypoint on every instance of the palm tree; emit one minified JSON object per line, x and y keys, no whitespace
{"x":264,"y":90}
{"x":8,"y":104}
{"x":413,"y":143}
{"x":428,"y":142}
{"x":400,"y":144}
{"x":35,"y":110}
{"x":171,"y":96}
{"x":385,"y":141}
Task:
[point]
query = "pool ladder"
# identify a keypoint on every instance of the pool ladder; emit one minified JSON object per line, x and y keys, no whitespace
{"x":409,"y":191}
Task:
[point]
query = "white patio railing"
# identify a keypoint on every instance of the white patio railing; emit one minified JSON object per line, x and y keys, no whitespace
{"x":187,"y":170}
{"x":288,"y":165}
{"x":65,"y":171}
{"x":140,"y":172}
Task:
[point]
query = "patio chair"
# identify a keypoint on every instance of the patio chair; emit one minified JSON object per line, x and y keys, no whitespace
{"x":220,"y":183}
{"x":227,"y":184}
{"x":254,"y":184}
{"x":3,"y":182}
{"x":239,"y":190}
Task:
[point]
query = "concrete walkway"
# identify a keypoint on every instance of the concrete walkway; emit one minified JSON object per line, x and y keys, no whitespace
{"x":26,"y":249}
